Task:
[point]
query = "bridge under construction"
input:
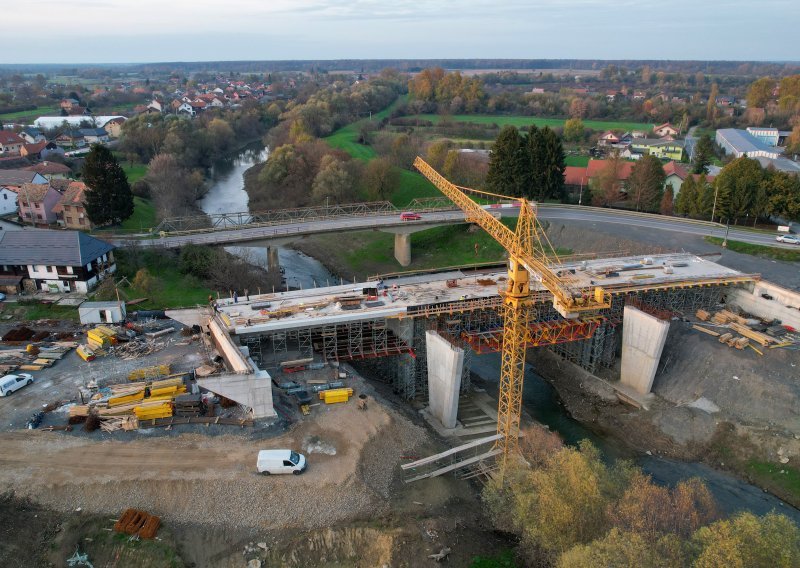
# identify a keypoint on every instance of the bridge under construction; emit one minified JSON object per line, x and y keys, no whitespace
{"x":419,"y":331}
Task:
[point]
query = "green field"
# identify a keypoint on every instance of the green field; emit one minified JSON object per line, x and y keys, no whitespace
{"x":577,"y":161}
{"x":758,"y":250}
{"x":37,"y":112}
{"x":143,"y":218}
{"x":133,"y":172}
{"x":518,"y":121}
{"x":346,"y":138}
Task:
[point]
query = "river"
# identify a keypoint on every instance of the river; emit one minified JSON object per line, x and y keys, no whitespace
{"x":539,"y":397}
{"x":227,"y":195}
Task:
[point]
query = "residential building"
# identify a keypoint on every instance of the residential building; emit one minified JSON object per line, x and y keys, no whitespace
{"x":768,"y":136}
{"x":16,"y":178}
{"x":70,"y":210}
{"x":741,"y":143}
{"x":94,"y":135}
{"x":51,"y":149}
{"x":608,"y":138}
{"x":68,"y":104}
{"x":36,"y":202}
{"x":70,"y":139}
{"x":665,"y":129}
{"x":34,"y":150}
{"x":114,"y":127}
{"x":663,"y":149}
{"x":51,"y":170}
{"x":675,"y":176}
{"x":10,"y":142}
{"x":8,"y":201}
{"x":55,"y":261}
{"x":578,"y":177}
{"x":156,"y":105}
{"x":31,"y":135}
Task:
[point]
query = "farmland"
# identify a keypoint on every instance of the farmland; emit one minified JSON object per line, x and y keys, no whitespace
{"x":519,"y":121}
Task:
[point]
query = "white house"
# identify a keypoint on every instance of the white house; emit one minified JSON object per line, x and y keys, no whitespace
{"x":8,"y":201}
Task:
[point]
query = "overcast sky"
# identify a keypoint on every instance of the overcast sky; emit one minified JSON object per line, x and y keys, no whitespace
{"x":104,"y":31}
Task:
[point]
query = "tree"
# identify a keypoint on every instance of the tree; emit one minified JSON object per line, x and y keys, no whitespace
{"x":502,"y":163}
{"x":783,"y":192}
{"x":553,"y":166}
{"x":173,"y":189}
{"x":646,"y":183}
{"x":747,"y":541}
{"x":606,"y":185}
{"x":333,"y":181}
{"x":437,"y":152}
{"x":574,"y":130}
{"x":109,"y":198}
{"x":736,"y":187}
{"x":706,"y":196}
{"x":619,"y":549}
{"x":760,"y":92}
{"x":703,"y":154}
{"x":666,"y":206}
{"x":793,"y":141}
{"x":380,"y":178}
{"x":686,"y":200}
{"x":711,"y":105}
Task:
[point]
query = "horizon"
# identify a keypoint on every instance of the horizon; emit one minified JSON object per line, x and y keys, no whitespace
{"x":288,"y":30}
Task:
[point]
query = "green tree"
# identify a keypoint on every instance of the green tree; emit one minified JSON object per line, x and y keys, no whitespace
{"x":686,"y":200}
{"x":711,"y":104}
{"x":667,"y":205}
{"x":760,"y":92}
{"x":553,"y":166}
{"x":574,"y":130}
{"x":783,"y":192}
{"x":619,"y":549}
{"x":437,"y":152}
{"x":109,"y":198}
{"x":380,"y":178}
{"x":503,"y":160}
{"x":736,"y":186}
{"x":747,"y":541}
{"x":646,"y":183}
{"x":706,"y":197}
{"x":703,"y":154}
{"x":333,"y":181}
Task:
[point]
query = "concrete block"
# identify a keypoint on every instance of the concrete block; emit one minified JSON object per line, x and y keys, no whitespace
{"x":445,"y":365}
{"x":402,"y":248}
{"x":643,"y":338}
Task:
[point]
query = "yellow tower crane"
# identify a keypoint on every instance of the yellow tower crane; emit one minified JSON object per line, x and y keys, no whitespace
{"x":526,"y":257}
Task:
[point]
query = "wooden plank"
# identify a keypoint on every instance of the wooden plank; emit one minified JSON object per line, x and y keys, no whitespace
{"x":706,"y":330}
{"x":451,"y":451}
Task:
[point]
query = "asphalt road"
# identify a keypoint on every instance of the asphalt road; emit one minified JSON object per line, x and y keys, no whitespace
{"x":393,"y":223}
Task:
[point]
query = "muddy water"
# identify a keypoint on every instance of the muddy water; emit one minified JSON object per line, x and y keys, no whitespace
{"x":542,"y":403}
{"x":227,"y":195}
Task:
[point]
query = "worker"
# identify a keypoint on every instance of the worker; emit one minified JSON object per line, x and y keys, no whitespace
{"x":235,"y":297}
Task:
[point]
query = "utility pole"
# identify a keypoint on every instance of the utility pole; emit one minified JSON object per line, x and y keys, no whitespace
{"x":727,"y":229}
{"x":714,"y":208}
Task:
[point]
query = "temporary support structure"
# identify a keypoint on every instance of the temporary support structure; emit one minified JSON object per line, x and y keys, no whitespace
{"x":454,"y":459}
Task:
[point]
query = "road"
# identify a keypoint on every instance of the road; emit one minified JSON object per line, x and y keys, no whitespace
{"x":392,"y":222}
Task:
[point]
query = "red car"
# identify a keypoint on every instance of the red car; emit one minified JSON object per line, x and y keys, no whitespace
{"x":410,"y":216}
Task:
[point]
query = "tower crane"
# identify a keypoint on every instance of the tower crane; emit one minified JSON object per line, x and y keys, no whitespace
{"x":526,"y":258}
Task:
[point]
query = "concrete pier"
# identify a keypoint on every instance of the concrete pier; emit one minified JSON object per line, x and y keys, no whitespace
{"x":643,"y":338}
{"x":402,"y":248}
{"x":273,"y":261}
{"x":445,"y":363}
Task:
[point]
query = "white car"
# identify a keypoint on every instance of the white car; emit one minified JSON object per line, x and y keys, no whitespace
{"x":11,"y":383}
{"x":788,"y":239}
{"x":280,"y":461}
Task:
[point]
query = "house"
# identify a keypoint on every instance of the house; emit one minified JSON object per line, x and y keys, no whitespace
{"x":51,"y":170}
{"x":36,"y":202}
{"x":70,"y":139}
{"x":768,"y":136}
{"x":675,"y":175}
{"x":68,"y":104}
{"x":198,"y":105}
{"x":665,"y":129}
{"x":8,"y":201}
{"x":581,"y":177}
{"x":31,"y":135}
{"x":740,"y":143}
{"x":639,"y":95}
{"x":55,"y":261}
{"x":94,"y":135}
{"x":156,"y":105}
{"x":78,"y":111}
{"x":10,"y":142}
{"x":33,"y":151}
{"x":608,"y":138}
{"x":70,"y":210}
{"x":102,"y":312}
{"x":114,"y":127}
{"x":663,"y":149}
{"x":16,"y":178}
{"x":51,"y":149}
{"x":185,"y":108}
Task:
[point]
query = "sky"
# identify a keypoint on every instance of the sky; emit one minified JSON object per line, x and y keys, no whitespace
{"x":119,"y":31}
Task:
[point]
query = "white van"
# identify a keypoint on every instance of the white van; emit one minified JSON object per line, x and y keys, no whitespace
{"x":280,"y":461}
{"x":11,"y":383}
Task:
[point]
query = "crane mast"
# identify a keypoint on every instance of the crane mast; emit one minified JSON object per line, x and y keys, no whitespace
{"x":526,"y":257}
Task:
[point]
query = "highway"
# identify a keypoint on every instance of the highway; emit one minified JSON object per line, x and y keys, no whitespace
{"x":392,"y":223}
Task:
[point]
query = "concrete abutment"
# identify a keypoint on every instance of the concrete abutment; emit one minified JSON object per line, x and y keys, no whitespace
{"x":445,"y":363}
{"x":643,"y":338}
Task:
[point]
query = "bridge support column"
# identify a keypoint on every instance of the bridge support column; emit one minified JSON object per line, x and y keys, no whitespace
{"x":643,"y":338}
{"x":445,"y":363}
{"x":273,"y":261}
{"x":402,"y":248}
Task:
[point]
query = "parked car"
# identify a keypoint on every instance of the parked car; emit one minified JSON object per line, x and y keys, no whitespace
{"x":11,"y":383}
{"x":280,"y":461}
{"x":410,"y":216}
{"x":788,"y":239}
{"x":2,"y":296}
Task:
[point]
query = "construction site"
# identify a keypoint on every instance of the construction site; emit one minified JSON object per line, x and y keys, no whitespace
{"x":158,"y":422}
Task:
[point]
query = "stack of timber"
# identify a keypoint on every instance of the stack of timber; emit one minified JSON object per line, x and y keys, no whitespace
{"x":135,"y":522}
{"x":188,"y":405}
{"x":149,"y":372}
{"x":761,"y":338}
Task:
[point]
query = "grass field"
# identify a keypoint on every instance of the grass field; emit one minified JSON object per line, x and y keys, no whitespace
{"x":35,"y":310}
{"x":577,"y":161}
{"x":518,"y":121}
{"x":134,"y":172}
{"x":346,"y":138}
{"x":758,"y":250}
{"x":143,"y":218}
{"x":37,"y":112}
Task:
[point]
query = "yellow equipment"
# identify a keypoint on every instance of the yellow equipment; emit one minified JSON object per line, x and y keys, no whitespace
{"x":335,"y":395}
{"x":523,"y":260}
